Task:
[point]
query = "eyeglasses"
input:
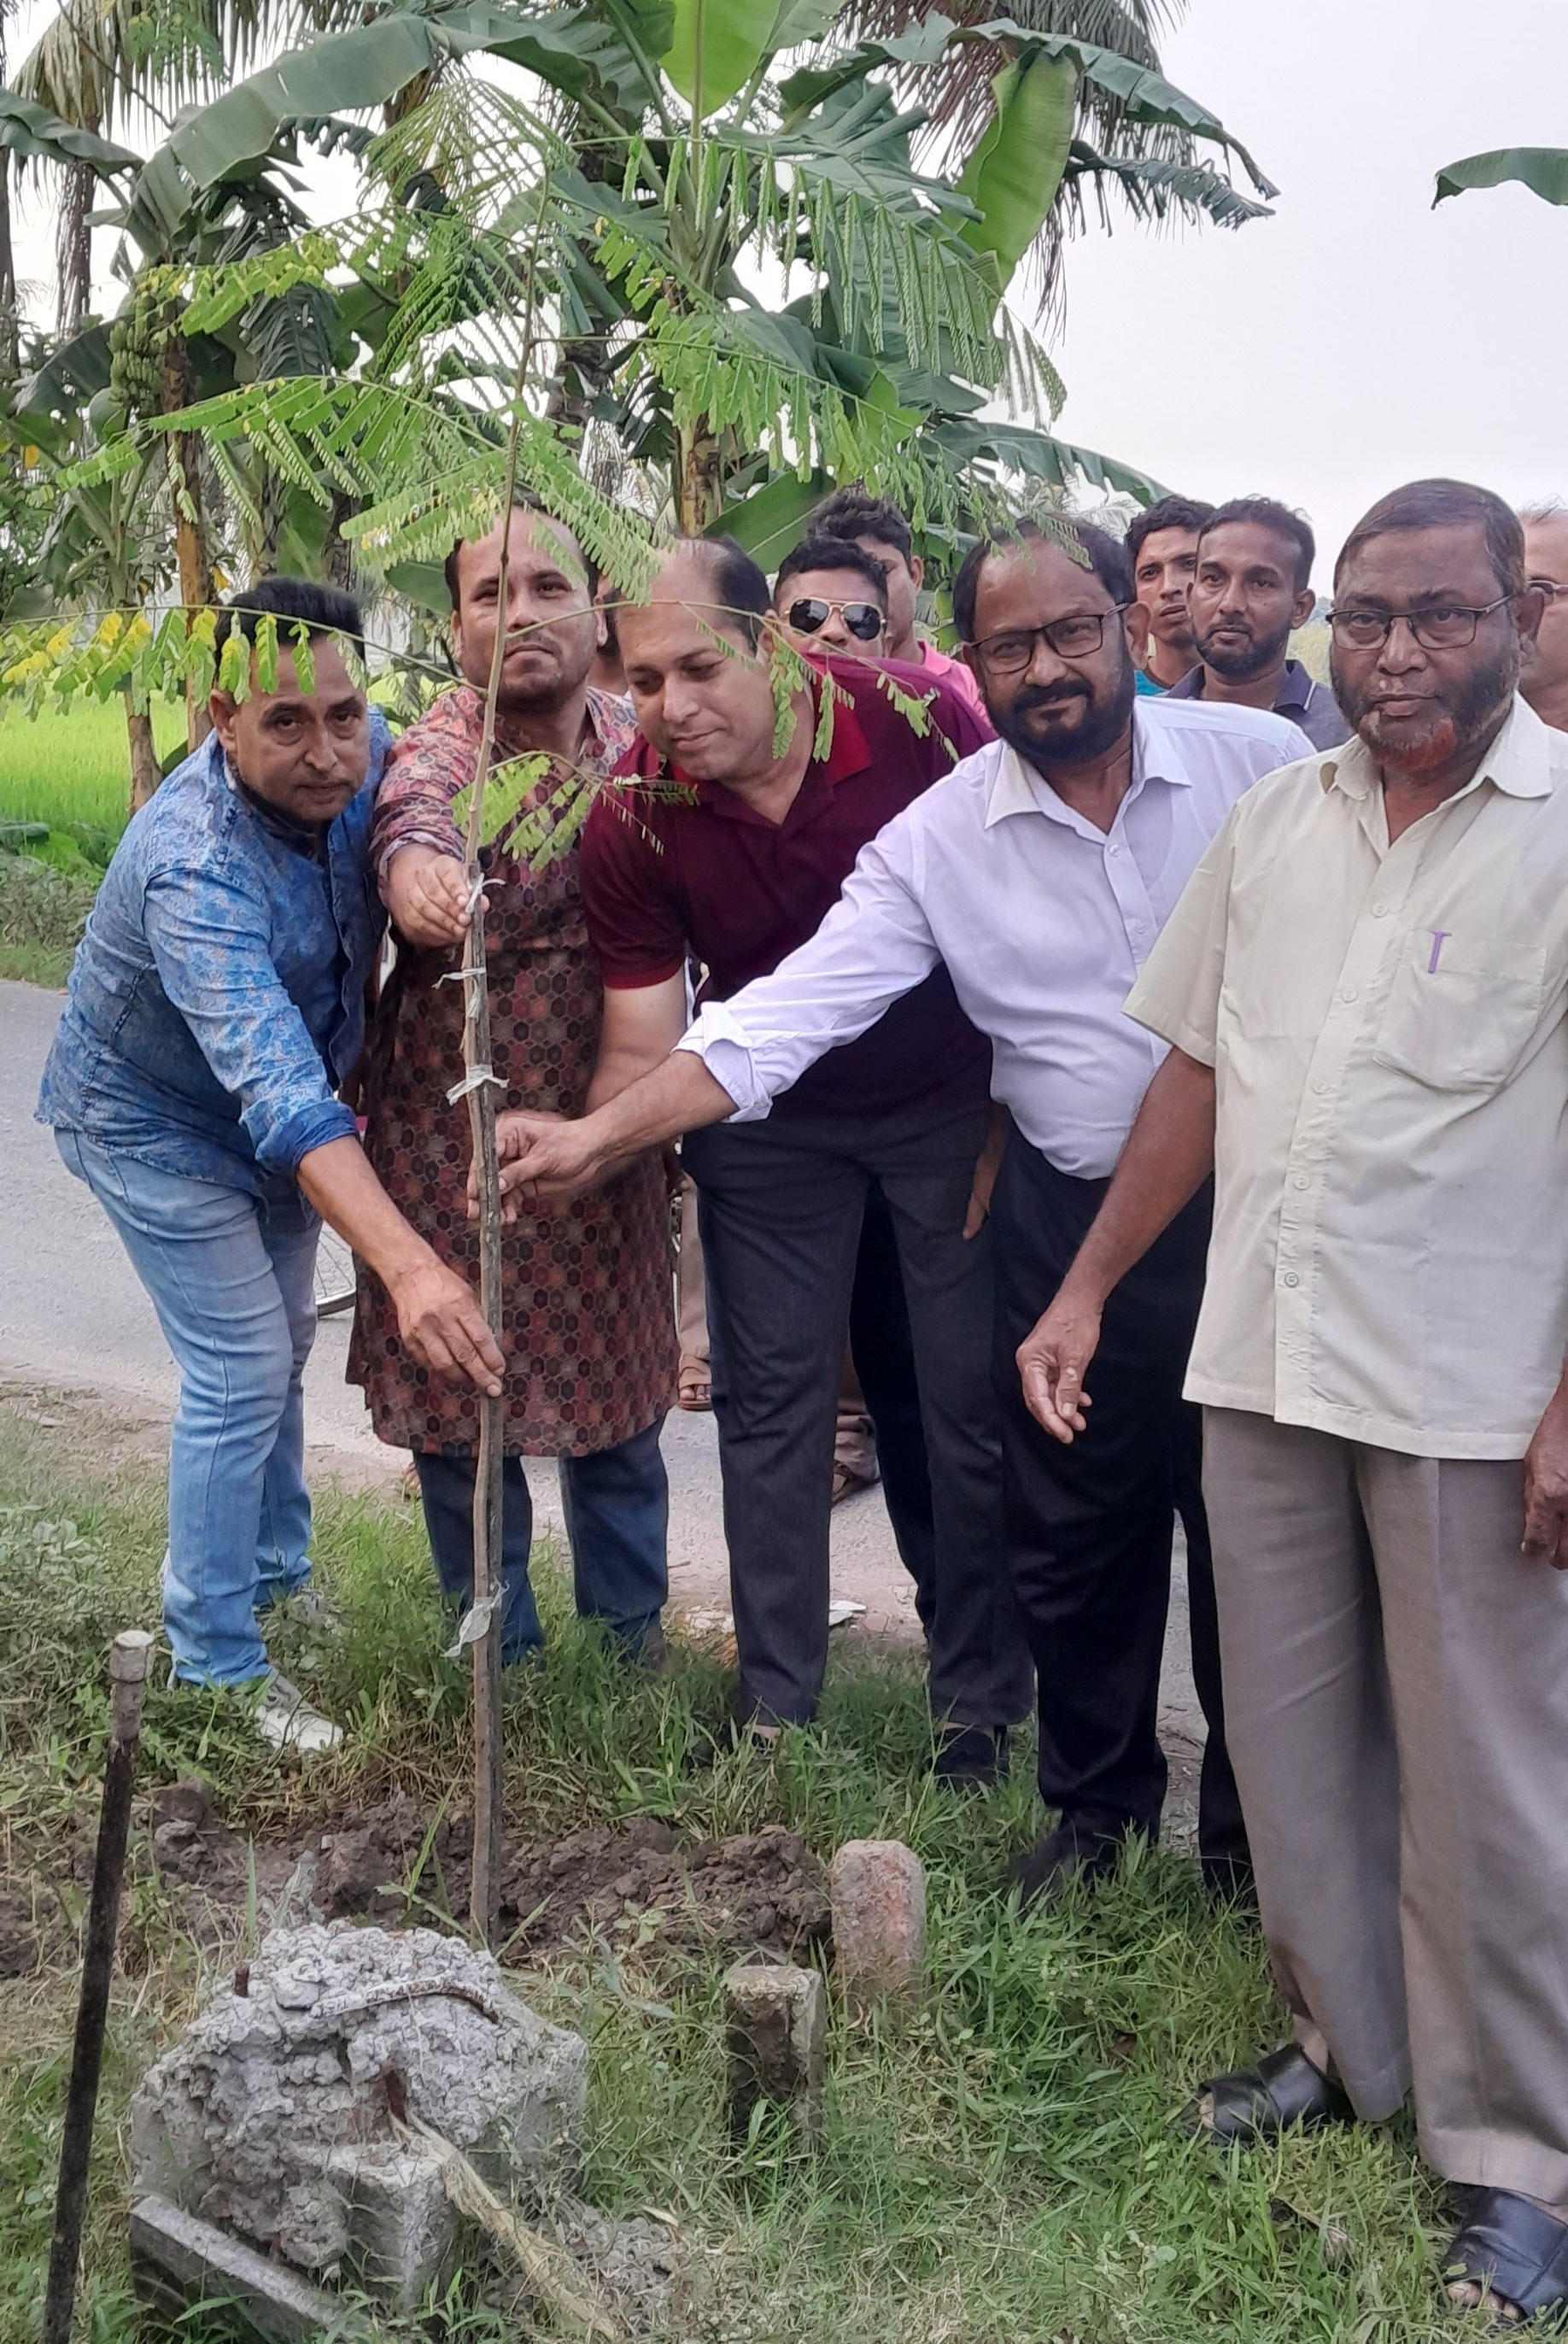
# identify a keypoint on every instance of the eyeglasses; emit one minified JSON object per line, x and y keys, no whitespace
{"x":1441,"y":627}
{"x":1011,"y":651}
{"x":863,"y":620}
{"x":1551,"y":588}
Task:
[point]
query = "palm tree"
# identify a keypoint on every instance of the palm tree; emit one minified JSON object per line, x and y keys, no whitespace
{"x":1118,"y":159}
{"x":103,"y":65}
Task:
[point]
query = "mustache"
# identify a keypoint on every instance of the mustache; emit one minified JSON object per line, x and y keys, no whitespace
{"x":1042,"y":695}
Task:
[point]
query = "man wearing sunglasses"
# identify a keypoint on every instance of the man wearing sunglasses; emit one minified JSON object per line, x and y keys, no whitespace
{"x":1365,"y":992}
{"x":832,"y":597}
{"x":1040,"y":873}
{"x":734,"y":839}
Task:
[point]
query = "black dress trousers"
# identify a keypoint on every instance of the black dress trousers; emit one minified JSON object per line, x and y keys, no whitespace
{"x":1090,"y":1527}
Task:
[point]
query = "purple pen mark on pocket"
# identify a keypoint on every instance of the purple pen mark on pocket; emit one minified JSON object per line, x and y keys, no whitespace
{"x":1440,"y":937}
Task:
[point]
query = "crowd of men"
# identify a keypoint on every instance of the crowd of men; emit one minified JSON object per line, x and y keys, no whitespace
{"x":1134,"y":1070}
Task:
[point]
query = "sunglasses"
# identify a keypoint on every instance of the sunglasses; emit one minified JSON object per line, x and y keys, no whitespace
{"x":863,"y":620}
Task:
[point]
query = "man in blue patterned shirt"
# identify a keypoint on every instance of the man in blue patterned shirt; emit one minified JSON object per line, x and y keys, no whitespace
{"x":216,"y":1008}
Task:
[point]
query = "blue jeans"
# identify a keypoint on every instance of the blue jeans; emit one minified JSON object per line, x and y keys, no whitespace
{"x":616,"y":1508}
{"x":231,"y":1281}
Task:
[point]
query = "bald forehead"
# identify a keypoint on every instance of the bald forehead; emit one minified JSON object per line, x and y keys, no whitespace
{"x":1546,"y":546}
{"x":684,"y":594}
{"x":548,"y":542}
{"x":1032,"y":584}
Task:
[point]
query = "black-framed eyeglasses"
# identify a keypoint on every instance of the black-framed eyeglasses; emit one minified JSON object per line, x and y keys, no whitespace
{"x":1438,"y":627}
{"x":1009,"y":651}
{"x":863,"y":620}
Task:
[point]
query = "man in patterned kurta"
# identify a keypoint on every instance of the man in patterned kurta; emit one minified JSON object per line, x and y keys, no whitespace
{"x":589,"y":1329}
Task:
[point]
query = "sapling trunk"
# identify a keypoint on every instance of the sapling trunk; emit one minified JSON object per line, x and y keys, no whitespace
{"x":484,"y":1882}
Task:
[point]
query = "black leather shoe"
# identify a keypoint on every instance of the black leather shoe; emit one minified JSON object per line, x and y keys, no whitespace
{"x":974,"y":1756}
{"x":1258,"y":2104}
{"x":1072,"y":1855}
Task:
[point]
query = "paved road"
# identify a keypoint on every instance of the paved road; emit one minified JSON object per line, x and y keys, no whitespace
{"x":73,"y":1315}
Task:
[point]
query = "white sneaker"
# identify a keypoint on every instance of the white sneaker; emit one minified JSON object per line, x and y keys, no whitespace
{"x":284,"y":1719}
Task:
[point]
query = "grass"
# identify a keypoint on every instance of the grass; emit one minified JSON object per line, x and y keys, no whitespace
{"x":65,"y":772}
{"x":1007,"y":2168}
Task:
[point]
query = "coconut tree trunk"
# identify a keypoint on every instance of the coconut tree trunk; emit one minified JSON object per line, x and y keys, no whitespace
{"x":145,"y":770}
{"x":699,"y":498}
{"x":193,"y":554}
{"x":74,"y":245}
{"x":9,"y":335}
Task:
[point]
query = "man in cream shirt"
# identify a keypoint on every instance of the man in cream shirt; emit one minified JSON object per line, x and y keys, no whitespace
{"x":1365,"y":985}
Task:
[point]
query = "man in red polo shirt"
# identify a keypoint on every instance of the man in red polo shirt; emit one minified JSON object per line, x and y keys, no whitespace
{"x":729,"y":855}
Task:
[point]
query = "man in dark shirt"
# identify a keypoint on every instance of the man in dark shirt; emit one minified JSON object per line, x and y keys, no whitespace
{"x":729,"y":855}
{"x":1252,"y":585}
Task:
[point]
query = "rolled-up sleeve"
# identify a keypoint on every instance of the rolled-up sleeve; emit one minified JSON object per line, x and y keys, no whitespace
{"x":874,"y":946}
{"x":209,"y":940}
{"x":1177,"y":995}
{"x":425,"y":771}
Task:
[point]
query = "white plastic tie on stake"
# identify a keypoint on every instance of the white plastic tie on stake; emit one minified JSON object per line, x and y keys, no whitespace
{"x":476,"y":1623}
{"x":475,"y":1079}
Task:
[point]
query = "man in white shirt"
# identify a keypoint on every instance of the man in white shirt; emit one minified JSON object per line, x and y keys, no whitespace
{"x":1041,"y":870}
{"x":1365,"y":986}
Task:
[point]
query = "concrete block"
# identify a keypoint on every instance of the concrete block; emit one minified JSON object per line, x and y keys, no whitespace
{"x":177,"y":2261}
{"x":776,"y":2039}
{"x":878,"y":1890}
{"x":278,"y":2118}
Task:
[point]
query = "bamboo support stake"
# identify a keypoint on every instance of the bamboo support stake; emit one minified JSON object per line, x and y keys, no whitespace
{"x":130,"y":1657}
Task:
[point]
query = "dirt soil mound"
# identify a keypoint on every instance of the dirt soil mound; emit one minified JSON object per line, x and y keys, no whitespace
{"x":761,"y":1891}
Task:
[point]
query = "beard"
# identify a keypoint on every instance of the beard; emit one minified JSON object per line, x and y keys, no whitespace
{"x":1237,"y":660}
{"x":1457,"y":718}
{"x":1084,"y":726}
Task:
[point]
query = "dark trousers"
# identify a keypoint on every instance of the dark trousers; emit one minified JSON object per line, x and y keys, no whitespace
{"x":781,"y":1204}
{"x":1090,"y":1527}
{"x":617,"y":1507}
{"x":882,"y":1346}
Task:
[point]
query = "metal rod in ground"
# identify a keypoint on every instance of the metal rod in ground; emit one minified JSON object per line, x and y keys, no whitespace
{"x":130,"y":1656}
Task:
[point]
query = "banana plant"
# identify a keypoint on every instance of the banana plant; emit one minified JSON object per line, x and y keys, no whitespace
{"x":687,"y":164}
{"x":1542,"y":169}
{"x":706,"y":217}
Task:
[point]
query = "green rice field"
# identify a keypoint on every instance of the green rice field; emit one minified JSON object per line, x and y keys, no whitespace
{"x":70,"y":768}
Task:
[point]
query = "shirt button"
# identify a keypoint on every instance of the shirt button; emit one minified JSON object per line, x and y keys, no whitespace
{"x":1320,"y":1089}
{"x":1380,"y":911}
{"x":1347,"y":992}
{"x":1113,"y":850}
{"x":1301,"y":1181}
{"x":1289,"y":1279}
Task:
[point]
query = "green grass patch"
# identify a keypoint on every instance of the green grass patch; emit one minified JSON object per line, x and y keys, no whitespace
{"x":43,"y":912}
{"x":1007,"y":2168}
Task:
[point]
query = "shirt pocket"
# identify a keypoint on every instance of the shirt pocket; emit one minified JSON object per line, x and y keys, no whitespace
{"x":1462,"y":1009}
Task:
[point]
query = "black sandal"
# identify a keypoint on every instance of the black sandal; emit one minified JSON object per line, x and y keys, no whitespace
{"x":1259,"y":2103}
{"x":1514,"y":2251}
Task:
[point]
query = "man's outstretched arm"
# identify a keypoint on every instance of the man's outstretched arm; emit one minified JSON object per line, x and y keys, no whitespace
{"x":1169,"y":1155}
{"x":873,"y":946}
{"x":544,"y":1160}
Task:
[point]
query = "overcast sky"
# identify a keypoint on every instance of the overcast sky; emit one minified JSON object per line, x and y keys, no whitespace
{"x":1356,"y":340}
{"x":1359,"y":337}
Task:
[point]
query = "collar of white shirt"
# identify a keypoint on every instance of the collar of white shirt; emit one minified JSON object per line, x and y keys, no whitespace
{"x":1015,"y":787}
{"x":1519,"y":762}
